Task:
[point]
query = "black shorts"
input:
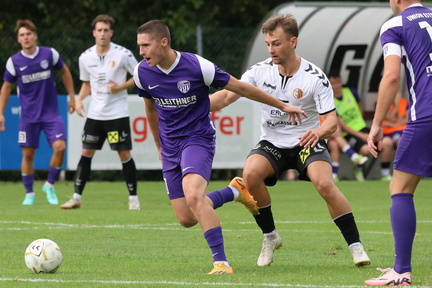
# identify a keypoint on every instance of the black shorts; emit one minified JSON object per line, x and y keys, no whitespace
{"x":355,"y":142}
{"x":117,"y":132}
{"x":295,"y":158}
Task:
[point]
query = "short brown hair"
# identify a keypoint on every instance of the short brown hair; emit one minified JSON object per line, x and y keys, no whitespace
{"x":26,"y":24}
{"x":105,"y":19}
{"x":156,"y":28}
{"x":287,"y":22}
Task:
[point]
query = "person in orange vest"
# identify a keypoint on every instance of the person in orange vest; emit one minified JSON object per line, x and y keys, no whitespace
{"x":396,"y":119}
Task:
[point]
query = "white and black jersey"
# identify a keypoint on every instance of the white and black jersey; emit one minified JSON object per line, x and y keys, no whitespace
{"x":99,"y":71}
{"x":308,"y":89}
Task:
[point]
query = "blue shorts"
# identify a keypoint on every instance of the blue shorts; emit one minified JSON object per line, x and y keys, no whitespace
{"x":413,"y":154}
{"x":28,"y":135}
{"x":194,"y":156}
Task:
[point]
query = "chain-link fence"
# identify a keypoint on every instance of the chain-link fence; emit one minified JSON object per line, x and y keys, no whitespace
{"x":224,"y":46}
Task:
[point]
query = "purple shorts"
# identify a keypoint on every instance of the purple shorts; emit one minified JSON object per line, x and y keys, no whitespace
{"x":395,"y":136}
{"x":413,"y":154}
{"x":192,"y":157}
{"x":28,"y":135}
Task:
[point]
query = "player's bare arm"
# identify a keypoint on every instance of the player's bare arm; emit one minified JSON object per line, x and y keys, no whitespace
{"x":5,"y":93}
{"x":221,"y":99}
{"x":114,"y":87}
{"x":68,"y":84}
{"x":253,"y":93}
{"x":328,"y":126}
{"x":388,"y":89}
{"x":84,"y":92}
{"x":153,"y":120}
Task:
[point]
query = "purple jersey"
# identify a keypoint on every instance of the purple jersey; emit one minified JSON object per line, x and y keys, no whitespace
{"x":35,"y":79}
{"x":412,"y":29}
{"x":181,"y":94}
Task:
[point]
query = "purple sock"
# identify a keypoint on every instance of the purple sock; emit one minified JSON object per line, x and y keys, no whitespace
{"x":53,"y":174}
{"x":349,"y":152}
{"x":219,"y":197}
{"x":403,"y":220}
{"x":335,"y":169}
{"x":28,"y":181}
{"x":215,"y":242}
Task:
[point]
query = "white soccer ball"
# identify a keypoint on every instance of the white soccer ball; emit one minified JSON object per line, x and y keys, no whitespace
{"x":43,"y":256}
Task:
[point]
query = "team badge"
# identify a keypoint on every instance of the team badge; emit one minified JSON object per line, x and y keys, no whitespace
{"x":44,"y":64}
{"x":113,"y":137}
{"x":111,"y":63}
{"x":304,"y":154}
{"x":183,"y":86}
{"x":298,"y":93}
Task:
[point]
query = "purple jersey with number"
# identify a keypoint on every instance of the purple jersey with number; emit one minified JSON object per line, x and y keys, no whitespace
{"x":412,"y":29}
{"x":34,"y":75}
{"x":181,"y":95}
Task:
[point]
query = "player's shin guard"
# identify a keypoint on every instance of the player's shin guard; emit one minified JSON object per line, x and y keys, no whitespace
{"x":348,"y":227}
{"x":129,"y":173}
{"x":265,"y":219}
{"x":82,"y":174}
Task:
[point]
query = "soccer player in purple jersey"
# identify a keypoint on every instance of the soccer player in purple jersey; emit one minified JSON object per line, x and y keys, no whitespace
{"x":33,"y":70}
{"x":406,"y":38}
{"x":175,"y":86}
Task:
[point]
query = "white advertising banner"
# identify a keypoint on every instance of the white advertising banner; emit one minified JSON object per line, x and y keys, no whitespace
{"x":238,"y":128}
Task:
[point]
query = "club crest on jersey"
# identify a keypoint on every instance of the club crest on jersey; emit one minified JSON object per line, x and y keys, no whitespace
{"x":183,"y":86}
{"x":298,"y":93}
{"x":44,"y":64}
{"x":111,"y":63}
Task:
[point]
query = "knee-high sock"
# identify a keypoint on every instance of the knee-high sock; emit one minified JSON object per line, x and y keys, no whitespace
{"x":265,"y":219}
{"x":129,"y":173}
{"x":82,"y":174}
{"x":403,"y":220}
{"x":28,"y":181}
{"x":215,"y":241}
{"x":348,"y":227}
{"x":53,"y":174}
{"x":219,"y":197}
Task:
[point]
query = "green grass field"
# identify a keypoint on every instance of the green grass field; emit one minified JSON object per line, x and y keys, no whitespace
{"x":106,"y":245}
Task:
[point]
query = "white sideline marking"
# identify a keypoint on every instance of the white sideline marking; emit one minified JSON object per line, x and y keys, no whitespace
{"x":177,"y":227}
{"x":185,"y":283}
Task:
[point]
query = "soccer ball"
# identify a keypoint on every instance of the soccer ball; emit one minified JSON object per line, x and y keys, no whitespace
{"x":43,"y":256}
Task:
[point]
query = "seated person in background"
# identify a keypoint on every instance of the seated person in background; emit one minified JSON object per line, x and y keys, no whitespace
{"x":350,"y":111}
{"x":396,"y":119}
{"x":337,"y":143}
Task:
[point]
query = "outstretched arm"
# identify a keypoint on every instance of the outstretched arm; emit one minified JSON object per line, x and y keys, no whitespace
{"x":253,"y":93}
{"x":221,"y":99}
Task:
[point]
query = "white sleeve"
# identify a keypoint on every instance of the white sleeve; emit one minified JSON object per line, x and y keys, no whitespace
{"x":207,"y":69}
{"x":84,"y":75}
{"x":130,"y":62}
{"x":136,"y":78}
{"x":56,"y":56}
{"x":10,"y":67}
